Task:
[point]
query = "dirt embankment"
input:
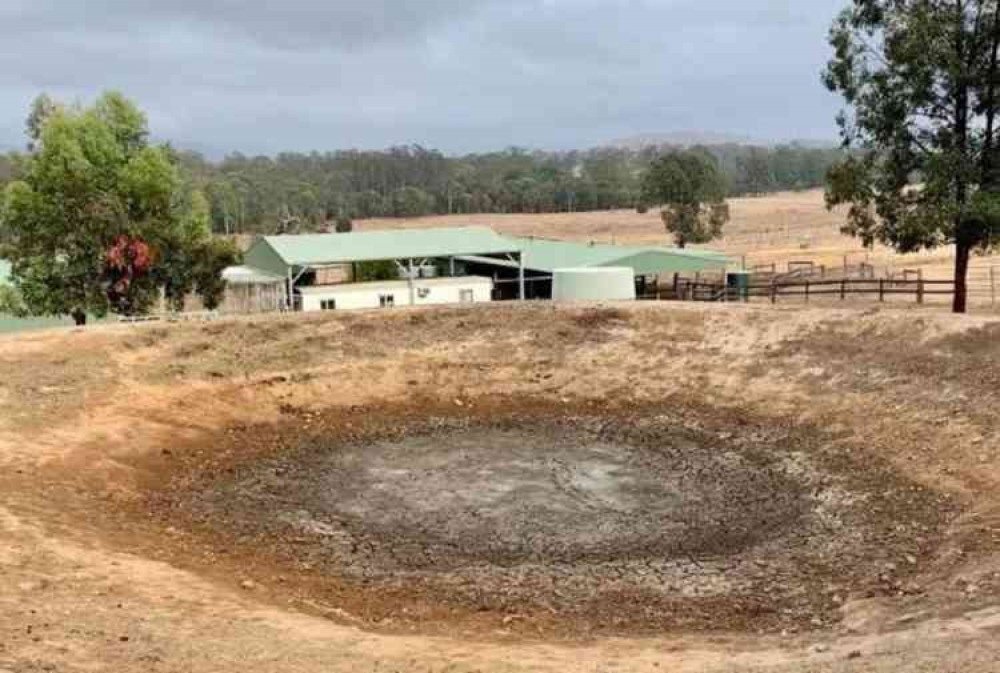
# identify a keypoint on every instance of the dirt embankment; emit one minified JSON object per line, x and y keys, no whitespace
{"x":361,"y":492}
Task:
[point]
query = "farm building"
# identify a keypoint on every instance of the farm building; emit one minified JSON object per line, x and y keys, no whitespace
{"x":252,"y":290}
{"x":387,"y":294}
{"x":444,"y":265}
{"x":542,"y":257}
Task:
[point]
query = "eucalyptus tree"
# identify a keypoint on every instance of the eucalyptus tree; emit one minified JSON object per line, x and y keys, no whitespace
{"x":691,"y":190}
{"x":920,"y":79}
{"x":91,"y":225}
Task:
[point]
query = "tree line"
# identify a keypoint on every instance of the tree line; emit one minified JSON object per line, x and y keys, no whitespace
{"x":310,"y":192}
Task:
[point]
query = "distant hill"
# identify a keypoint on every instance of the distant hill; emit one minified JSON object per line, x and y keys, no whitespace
{"x":680,"y":139}
{"x":685,"y":139}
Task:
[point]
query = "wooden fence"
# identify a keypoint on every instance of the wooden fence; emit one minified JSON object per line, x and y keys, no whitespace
{"x":882,"y":289}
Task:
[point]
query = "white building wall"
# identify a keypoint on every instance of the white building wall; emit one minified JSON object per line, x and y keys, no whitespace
{"x":425,"y":292}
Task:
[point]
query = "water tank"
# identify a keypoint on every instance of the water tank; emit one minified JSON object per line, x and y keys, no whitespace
{"x":422,"y":271}
{"x":595,"y":283}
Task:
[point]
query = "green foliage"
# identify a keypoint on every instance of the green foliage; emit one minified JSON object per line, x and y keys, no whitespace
{"x":411,"y":202}
{"x":12,"y":303}
{"x":211,"y":257}
{"x":197,"y":221}
{"x":756,"y":172}
{"x":371,"y":271}
{"x":920,"y":78}
{"x":691,"y":190}
{"x":261,"y":194}
{"x":344,"y":225}
{"x":42,"y":108}
{"x":93,"y":223}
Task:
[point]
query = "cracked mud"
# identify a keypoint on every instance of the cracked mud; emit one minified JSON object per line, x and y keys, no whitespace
{"x":615,"y":521}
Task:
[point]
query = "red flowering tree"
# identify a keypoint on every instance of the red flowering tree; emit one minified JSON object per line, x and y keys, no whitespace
{"x":128,"y":267}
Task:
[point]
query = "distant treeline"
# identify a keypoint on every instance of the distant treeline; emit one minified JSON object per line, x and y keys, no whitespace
{"x":305,"y":192}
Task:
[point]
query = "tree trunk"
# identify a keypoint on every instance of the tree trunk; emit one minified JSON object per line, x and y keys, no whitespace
{"x":79,"y":317}
{"x":962,"y":252}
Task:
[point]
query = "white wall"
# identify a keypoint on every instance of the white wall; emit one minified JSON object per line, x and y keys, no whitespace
{"x":364,"y":296}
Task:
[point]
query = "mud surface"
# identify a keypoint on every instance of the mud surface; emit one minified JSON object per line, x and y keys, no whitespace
{"x":611,"y":520}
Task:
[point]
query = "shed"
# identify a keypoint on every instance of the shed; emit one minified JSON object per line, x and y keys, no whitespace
{"x":293,"y":257}
{"x":543,"y":256}
{"x":251,"y":290}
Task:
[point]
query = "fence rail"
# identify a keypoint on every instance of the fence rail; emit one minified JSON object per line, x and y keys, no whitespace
{"x":883,"y":288}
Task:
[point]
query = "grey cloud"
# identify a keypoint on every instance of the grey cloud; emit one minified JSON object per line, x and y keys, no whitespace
{"x":456,"y":74}
{"x":288,"y":24}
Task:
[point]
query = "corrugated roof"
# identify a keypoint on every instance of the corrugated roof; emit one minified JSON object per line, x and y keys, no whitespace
{"x":245,"y":275}
{"x":276,"y":254}
{"x":367,"y":246}
{"x":547,"y":255}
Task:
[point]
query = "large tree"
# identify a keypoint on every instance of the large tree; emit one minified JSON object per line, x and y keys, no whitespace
{"x":94,"y":214}
{"x":920,"y":78}
{"x":691,"y":190}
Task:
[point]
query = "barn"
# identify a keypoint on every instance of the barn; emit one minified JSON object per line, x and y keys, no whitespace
{"x":443,"y":266}
{"x":542,"y":257}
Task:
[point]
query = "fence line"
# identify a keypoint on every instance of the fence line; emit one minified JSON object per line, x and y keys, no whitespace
{"x":920,"y":289}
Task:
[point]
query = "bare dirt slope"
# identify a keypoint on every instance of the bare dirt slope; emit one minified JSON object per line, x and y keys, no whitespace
{"x":101,"y":568}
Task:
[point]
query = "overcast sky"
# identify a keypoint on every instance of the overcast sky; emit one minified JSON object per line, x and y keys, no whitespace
{"x":459,"y":75}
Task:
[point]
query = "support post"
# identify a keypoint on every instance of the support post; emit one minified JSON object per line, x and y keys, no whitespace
{"x":920,"y":290}
{"x":451,"y":266}
{"x":843,"y":289}
{"x":881,"y":289}
{"x":409,"y":281}
{"x":520,"y":275}
{"x":807,"y":290}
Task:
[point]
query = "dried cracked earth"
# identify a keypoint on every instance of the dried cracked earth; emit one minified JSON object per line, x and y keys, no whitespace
{"x":508,"y":488}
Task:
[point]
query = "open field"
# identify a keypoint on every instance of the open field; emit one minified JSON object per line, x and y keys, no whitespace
{"x":505,"y":488}
{"x":777,"y":228}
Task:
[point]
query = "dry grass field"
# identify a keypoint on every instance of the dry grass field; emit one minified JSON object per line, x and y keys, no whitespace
{"x":513,"y":487}
{"x":497,"y":489}
{"x":775,"y":229}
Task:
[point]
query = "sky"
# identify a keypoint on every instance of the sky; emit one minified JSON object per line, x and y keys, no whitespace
{"x":264,"y":76}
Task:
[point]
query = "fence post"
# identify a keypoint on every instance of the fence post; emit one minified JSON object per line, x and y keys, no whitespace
{"x":881,"y":289}
{"x":774,"y":292}
{"x":843,"y":289}
{"x":807,"y":290}
{"x":920,"y":291}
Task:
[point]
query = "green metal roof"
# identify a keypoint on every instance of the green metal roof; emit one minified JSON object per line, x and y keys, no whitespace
{"x":370,"y":246}
{"x":279,"y":254}
{"x":547,"y":255}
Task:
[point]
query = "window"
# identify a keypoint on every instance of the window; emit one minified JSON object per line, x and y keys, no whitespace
{"x":466,"y":296}
{"x":328,"y":304}
{"x":386,"y":300}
